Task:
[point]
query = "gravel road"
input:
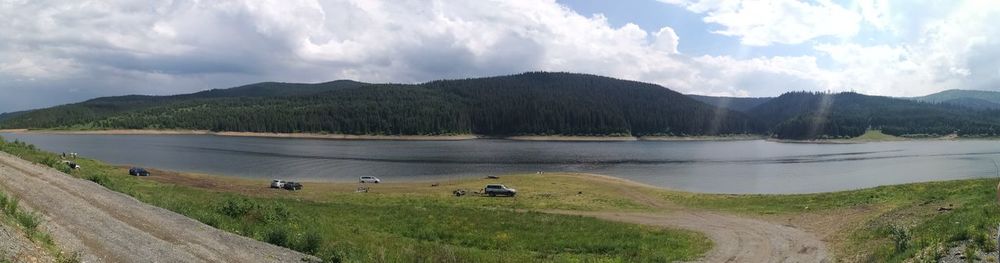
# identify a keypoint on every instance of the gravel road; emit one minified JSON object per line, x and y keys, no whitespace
{"x":106,"y":226}
{"x":734,"y":238}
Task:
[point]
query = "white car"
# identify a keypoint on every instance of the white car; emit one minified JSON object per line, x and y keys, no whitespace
{"x":277,"y":183}
{"x":370,"y":179}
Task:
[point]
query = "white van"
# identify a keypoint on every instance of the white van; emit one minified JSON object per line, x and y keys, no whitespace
{"x":277,"y":183}
{"x":370,"y":179}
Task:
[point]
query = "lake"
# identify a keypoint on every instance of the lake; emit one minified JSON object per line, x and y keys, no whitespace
{"x":697,"y":166}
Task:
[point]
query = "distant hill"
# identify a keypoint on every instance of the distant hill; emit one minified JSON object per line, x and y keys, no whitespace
{"x":976,"y":99}
{"x":732,"y":103}
{"x":8,"y":115}
{"x":537,"y":103}
{"x":804,"y":115}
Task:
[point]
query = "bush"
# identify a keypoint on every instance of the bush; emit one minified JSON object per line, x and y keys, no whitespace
{"x":28,"y":221}
{"x":252,"y":211}
{"x":237,"y":207}
{"x":309,"y":243}
{"x":277,"y":236}
{"x":50,"y":162}
{"x":100,"y":179}
{"x":9,"y":205}
{"x":900,"y":237}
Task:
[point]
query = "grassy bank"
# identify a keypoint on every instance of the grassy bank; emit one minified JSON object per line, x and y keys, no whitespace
{"x":883,"y":224}
{"x":353,"y":227}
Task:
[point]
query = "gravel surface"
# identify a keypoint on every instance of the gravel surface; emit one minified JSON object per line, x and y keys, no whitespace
{"x":16,"y":247}
{"x":107,"y":226}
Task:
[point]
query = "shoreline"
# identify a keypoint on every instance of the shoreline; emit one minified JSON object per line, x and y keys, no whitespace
{"x":458,"y":137}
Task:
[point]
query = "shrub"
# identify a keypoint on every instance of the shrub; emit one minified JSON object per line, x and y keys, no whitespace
{"x":69,"y":258}
{"x":28,"y":221}
{"x":100,"y":179}
{"x":237,"y":207}
{"x":50,"y":162}
{"x":10,"y":205}
{"x":309,"y":243}
{"x":276,"y":236}
{"x":900,"y":237}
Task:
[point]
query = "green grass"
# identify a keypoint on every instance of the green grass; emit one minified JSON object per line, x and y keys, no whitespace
{"x":399,"y":228}
{"x":899,"y":214}
{"x":875,"y":136}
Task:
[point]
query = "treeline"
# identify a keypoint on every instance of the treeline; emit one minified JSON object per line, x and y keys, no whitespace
{"x":804,"y":115}
{"x":535,"y":103}
{"x":525,"y":104}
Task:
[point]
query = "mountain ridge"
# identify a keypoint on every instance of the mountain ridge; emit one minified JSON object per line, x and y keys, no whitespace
{"x":531,"y":103}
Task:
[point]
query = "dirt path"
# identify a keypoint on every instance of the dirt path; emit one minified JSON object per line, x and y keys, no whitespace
{"x":107,"y":226}
{"x":734,"y":238}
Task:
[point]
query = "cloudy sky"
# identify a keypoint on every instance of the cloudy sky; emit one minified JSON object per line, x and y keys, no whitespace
{"x":55,"y":52}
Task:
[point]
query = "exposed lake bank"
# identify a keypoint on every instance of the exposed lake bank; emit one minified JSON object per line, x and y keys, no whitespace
{"x":456,"y":137}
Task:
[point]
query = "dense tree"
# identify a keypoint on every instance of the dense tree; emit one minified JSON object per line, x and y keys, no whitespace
{"x":804,"y":115}
{"x":534,"y":103}
{"x":529,"y":103}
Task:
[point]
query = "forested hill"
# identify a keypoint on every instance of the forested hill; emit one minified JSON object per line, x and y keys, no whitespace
{"x":732,"y":103}
{"x":802,"y":115}
{"x":535,"y":103}
{"x":975,"y":99}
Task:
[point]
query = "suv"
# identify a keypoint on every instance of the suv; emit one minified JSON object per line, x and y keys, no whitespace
{"x":370,"y":179}
{"x":292,"y":186}
{"x":136,"y":171}
{"x":499,"y":189}
{"x":277,"y":183}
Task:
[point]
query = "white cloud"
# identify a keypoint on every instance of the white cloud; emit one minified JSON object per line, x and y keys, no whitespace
{"x":119,"y":47}
{"x":181,"y":46}
{"x":765,"y":22}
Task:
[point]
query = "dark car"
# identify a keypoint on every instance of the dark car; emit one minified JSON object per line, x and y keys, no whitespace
{"x":292,"y":186}
{"x":136,"y":171}
{"x":499,"y":189}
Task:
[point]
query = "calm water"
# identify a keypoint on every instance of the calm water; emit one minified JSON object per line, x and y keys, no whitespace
{"x":717,"y":167}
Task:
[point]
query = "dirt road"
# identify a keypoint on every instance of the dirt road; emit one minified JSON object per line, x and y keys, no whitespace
{"x":106,"y":226}
{"x":734,"y":238}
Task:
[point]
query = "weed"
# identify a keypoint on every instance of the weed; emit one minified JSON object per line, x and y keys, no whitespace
{"x":28,"y":220}
{"x":900,"y":237}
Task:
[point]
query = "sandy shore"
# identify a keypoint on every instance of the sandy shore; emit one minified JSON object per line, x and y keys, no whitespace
{"x":351,"y":137}
{"x":256,"y":134}
{"x":573,"y":138}
{"x":703,"y":138}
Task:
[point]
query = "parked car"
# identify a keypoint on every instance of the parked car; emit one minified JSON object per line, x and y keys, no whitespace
{"x":370,"y":179}
{"x":499,"y":189}
{"x":292,"y":186}
{"x":277,"y":183}
{"x":137,"y":171}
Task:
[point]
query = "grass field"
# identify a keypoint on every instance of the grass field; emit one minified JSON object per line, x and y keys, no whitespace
{"x":420,"y":222}
{"x":422,"y":226}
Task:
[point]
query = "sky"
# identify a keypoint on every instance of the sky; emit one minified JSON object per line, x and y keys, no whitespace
{"x":56,"y":52}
